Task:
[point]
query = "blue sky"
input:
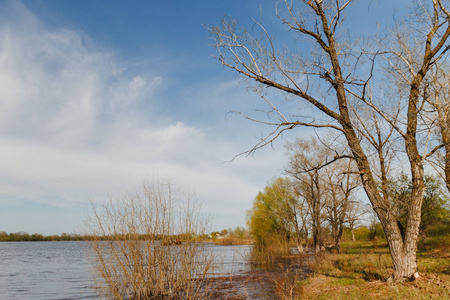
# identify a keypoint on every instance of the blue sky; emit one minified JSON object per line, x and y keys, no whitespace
{"x":97,"y":96}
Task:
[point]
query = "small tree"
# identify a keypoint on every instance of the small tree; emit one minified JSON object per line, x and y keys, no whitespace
{"x":266,"y":219}
{"x":270,"y":221}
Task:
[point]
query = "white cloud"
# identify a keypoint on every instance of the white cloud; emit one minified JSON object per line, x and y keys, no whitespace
{"x":75,"y":125}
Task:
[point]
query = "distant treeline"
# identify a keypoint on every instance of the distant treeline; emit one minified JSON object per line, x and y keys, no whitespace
{"x":37,"y":237}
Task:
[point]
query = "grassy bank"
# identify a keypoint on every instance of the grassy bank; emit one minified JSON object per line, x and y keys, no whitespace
{"x":359,"y":273}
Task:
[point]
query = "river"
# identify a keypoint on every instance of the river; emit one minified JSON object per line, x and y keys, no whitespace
{"x":61,"y":270}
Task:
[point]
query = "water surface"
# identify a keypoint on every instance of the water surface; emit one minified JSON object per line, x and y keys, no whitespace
{"x":44,"y":270}
{"x":61,"y":270}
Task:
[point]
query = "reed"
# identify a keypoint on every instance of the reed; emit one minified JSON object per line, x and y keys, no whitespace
{"x":265,"y":254}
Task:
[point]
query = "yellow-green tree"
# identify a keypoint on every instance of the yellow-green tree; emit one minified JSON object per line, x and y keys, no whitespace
{"x":273,"y":214}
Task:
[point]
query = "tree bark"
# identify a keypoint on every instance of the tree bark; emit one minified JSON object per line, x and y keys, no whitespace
{"x":445,"y":128}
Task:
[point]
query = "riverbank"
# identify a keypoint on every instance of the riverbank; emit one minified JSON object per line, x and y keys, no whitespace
{"x":359,"y":272}
{"x":231,"y":241}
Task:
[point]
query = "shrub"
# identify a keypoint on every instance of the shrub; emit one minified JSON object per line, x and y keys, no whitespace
{"x":362,"y":233}
{"x":133,"y":250}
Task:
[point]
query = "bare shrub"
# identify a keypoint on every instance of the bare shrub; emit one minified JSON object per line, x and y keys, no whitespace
{"x":144,"y":245}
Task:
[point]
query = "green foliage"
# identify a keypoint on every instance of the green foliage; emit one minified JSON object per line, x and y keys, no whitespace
{"x":361,"y":233}
{"x":435,"y":206}
{"x":375,"y":231}
{"x":441,"y":229}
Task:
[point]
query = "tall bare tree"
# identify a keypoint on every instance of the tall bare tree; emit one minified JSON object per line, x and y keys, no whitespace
{"x":340,"y":183}
{"x":437,"y":95}
{"x":305,"y":161}
{"x":303,"y":217}
{"x":325,"y":184}
{"x":332,"y":75}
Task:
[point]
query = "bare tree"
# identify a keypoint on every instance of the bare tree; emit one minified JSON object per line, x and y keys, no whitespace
{"x":305,"y":161}
{"x":340,"y":182}
{"x":357,"y":212}
{"x":302,"y":215}
{"x":326,"y":184}
{"x":333,"y":75}
{"x":437,"y":95}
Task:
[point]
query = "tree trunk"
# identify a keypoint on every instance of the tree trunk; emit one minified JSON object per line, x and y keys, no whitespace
{"x":353,"y":233}
{"x":298,"y":237}
{"x":405,"y":263}
{"x":305,"y":229}
{"x":317,"y":248}
{"x":300,"y":247}
{"x":297,"y":232}
{"x":338,"y":238}
{"x":424,"y":235}
{"x":315,"y":237}
{"x":445,"y":128}
{"x":403,"y":252}
{"x":337,"y":244}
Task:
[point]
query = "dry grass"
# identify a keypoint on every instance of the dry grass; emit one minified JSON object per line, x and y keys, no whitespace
{"x":288,"y":286}
{"x":230,"y":241}
{"x":326,"y":287}
{"x":358,"y":273}
{"x":367,"y":266}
